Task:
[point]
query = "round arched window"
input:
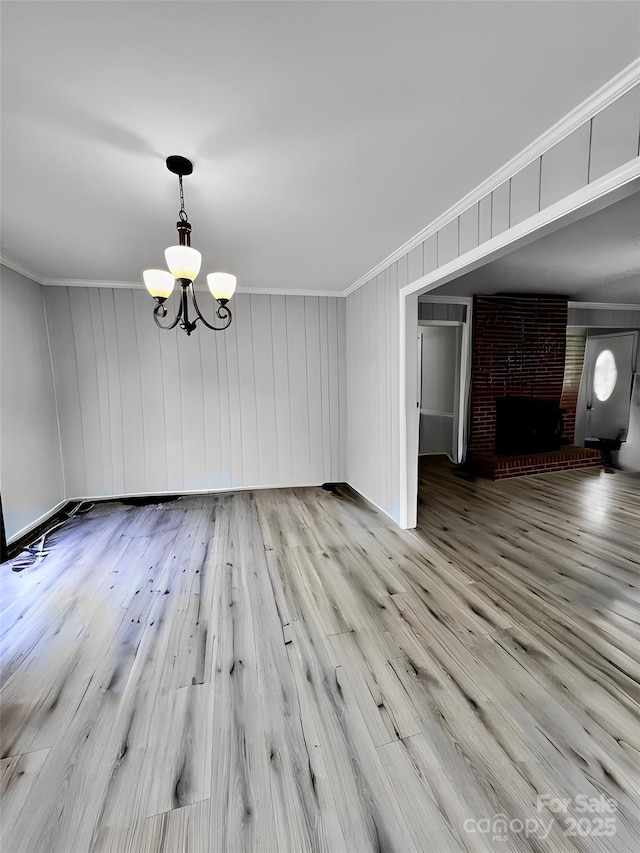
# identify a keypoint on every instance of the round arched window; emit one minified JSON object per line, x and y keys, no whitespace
{"x":605,"y":375}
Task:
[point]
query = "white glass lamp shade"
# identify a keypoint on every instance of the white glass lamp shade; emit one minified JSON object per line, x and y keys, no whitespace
{"x":159,"y":283}
{"x":222,"y":285}
{"x":183,"y":261}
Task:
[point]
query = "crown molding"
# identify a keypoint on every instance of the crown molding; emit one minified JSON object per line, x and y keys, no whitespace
{"x":139,"y":285}
{"x":200,"y":288}
{"x":284,"y":291}
{"x":81,"y":282}
{"x":25,"y":271}
{"x":591,"y":106}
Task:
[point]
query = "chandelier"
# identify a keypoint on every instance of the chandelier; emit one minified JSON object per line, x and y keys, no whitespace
{"x":184,"y":266}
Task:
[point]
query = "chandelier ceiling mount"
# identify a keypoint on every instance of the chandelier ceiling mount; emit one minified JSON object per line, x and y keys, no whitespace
{"x":184,"y":265}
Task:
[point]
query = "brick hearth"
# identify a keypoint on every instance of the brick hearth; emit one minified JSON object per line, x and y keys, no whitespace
{"x":497,"y":467}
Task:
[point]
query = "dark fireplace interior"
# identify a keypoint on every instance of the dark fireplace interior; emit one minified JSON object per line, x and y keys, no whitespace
{"x":527,"y":425}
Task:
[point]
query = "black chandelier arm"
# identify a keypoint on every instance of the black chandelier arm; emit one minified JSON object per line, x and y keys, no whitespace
{"x":223,"y":313}
{"x":160,"y":312}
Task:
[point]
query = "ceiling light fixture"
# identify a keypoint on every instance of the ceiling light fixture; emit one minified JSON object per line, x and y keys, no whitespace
{"x":184,"y":265}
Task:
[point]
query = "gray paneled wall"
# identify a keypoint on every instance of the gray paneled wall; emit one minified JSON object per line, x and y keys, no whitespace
{"x":604,"y":317}
{"x":30,"y":463}
{"x":442,"y":311}
{"x":372,"y":390}
{"x":144,"y":410}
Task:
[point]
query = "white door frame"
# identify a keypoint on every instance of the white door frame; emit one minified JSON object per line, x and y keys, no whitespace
{"x":599,"y":194}
{"x":460,"y":406}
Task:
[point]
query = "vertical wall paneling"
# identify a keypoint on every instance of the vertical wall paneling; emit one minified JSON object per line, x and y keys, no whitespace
{"x":151,"y":394}
{"x":441,"y":311}
{"x":426,"y":310}
{"x":102,"y":379}
{"x":380,"y":352}
{"x":403,"y":271}
{"x":525,"y":193}
{"x":354,"y":372}
{"x":615,"y":134}
{"x":333,"y":395}
{"x":611,"y":317}
{"x":314,"y":380}
{"x":500,"y":209}
{"x":107,"y":307}
{"x":448,"y":242}
{"x":223,"y":477}
{"x":263,"y":347}
{"x":369,"y":335}
{"x":296,"y":341}
{"x":469,"y":229}
{"x":234,"y":392}
{"x":372,"y":377}
{"x":132,"y":422}
{"x":430,"y":251}
{"x":369,"y":391}
{"x":359,"y":389}
{"x":30,"y":455}
{"x":281,"y":387}
{"x":392,"y":318}
{"x":565,"y":167}
{"x":323,"y":328}
{"x":388,"y":361}
{"x":243,"y":323}
{"x":192,"y":412}
{"x":147,"y":411}
{"x":90,"y":420}
{"x":341,"y":310}
{"x":415,"y":261}
{"x":172,"y":400}
{"x":381,"y":335}
{"x":373,"y":363}
{"x":359,"y":393}
{"x":65,"y":374}
{"x":484,"y":219}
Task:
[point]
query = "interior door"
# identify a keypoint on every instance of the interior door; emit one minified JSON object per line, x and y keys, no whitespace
{"x":440,"y":358}
{"x":608,"y":371}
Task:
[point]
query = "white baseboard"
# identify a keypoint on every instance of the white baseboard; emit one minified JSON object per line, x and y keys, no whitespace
{"x":188,"y":492}
{"x":26,"y":530}
{"x":373,"y":503}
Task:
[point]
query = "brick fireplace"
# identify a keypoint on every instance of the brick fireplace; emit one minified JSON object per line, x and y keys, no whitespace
{"x":518,"y":366}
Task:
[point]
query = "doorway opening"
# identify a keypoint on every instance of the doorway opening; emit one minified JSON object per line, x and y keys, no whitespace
{"x":525,"y":265}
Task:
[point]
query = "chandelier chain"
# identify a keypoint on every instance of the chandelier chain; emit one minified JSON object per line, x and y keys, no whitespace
{"x":184,"y":265}
{"x":183,"y":213}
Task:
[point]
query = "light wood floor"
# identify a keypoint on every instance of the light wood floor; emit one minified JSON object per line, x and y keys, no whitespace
{"x":288,"y":671}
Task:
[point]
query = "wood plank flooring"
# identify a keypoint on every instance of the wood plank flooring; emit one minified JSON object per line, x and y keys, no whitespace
{"x":287,"y":671}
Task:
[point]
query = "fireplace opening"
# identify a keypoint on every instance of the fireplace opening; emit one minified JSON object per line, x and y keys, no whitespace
{"x":527,"y":425}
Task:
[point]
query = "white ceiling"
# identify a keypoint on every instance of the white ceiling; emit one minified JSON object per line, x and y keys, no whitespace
{"x":324,"y":135}
{"x":596,"y":259}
